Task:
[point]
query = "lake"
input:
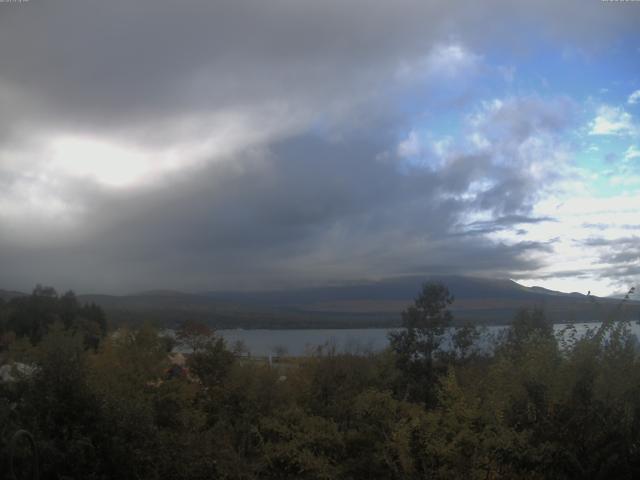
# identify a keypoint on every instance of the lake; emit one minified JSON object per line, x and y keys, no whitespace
{"x":302,"y":341}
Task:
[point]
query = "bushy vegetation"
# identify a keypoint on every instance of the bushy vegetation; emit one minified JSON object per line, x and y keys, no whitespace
{"x":530,"y":407}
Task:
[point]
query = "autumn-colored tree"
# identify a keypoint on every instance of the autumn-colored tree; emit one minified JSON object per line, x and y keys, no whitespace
{"x":194,"y":335}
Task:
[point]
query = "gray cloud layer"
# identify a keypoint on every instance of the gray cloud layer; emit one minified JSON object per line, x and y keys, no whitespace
{"x":309,"y":186}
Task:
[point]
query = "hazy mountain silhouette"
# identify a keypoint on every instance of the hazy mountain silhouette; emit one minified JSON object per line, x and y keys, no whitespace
{"x":481,"y":300}
{"x":9,"y":294}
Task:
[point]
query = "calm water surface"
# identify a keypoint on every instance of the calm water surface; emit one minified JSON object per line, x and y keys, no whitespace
{"x":303,"y":341}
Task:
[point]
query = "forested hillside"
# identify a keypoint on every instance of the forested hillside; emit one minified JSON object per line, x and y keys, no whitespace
{"x":375,"y":304}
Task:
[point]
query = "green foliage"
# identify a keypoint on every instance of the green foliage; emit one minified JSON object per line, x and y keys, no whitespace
{"x":57,"y":405}
{"x":212,"y":362}
{"x":296,"y":445}
{"x":533,"y":407}
{"x":526,"y":325}
{"x":32,"y":316}
{"x":452,"y":439}
{"x":384,"y":427}
{"x":417,"y":344}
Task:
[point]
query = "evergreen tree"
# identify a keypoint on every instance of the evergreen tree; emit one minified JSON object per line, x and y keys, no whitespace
{"x":424,"y":324}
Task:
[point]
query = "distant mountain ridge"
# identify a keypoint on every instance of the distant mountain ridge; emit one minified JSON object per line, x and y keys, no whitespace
{"x":9,"y":294}
{"x":400,"y":289}
{"x":370,"y":304}
{"x":482,"y":300}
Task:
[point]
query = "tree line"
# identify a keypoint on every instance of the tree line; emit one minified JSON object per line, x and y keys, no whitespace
{"x":433,"y":405}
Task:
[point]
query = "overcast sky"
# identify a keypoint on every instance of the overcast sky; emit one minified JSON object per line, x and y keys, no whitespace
{"x":260,"y":144}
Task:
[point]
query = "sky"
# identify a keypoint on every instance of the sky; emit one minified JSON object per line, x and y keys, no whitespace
{"x":200,"y":145}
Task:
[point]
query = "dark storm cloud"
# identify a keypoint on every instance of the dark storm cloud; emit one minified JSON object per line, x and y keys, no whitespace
{"x":94,"y":63}
{"x":321,"y":196}
{"x":309,"y":210}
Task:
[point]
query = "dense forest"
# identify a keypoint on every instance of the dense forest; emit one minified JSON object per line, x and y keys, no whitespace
{"x":105,"y":404}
